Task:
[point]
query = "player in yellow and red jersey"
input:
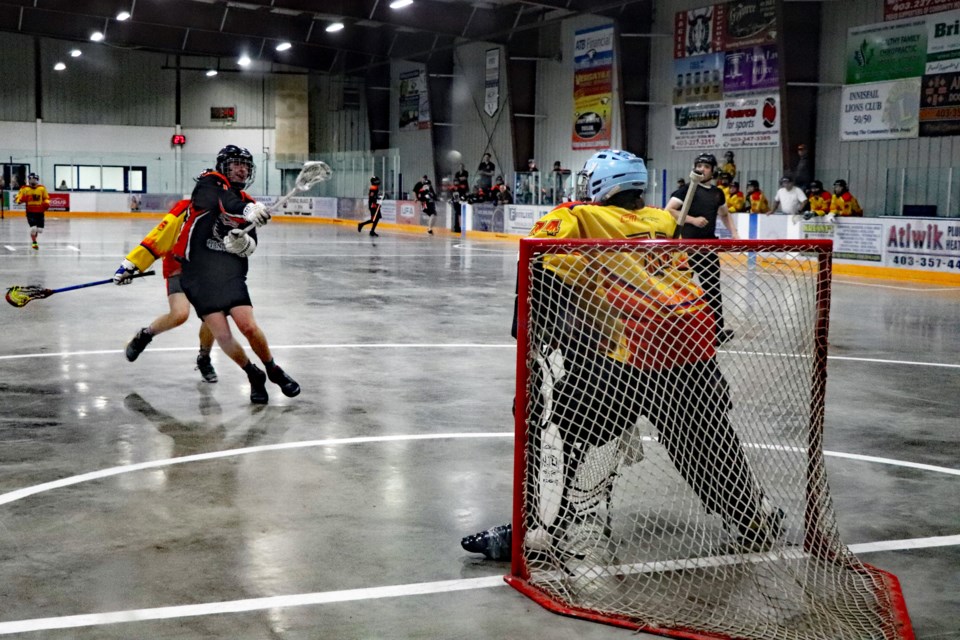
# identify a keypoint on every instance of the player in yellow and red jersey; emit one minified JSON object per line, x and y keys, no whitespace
{"x":158,"y":244}
{"x":736,"y":201}
{"x":34,"y":195}
{"x":755,"y":199}
{"x":644,"y":347}
{"x":843,"y":203}
{"x":818,"y":200}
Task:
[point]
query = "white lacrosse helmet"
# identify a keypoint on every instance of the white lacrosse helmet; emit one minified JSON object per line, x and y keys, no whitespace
{"x":609,"y":172}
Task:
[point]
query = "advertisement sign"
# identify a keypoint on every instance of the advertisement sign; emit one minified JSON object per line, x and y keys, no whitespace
{"x":408,"y":212}
{"x":886,"y":51}
{"x":918,"y":244}
{"x":592,"y":87}
{"x":940,"y":105}
{"x":859,"y":242}
{"x":59,"y":202}
{"x":698,"y":79}
{"x":697,"y":32}
{"x":882,"y":110}
{"x":751,"y":121}
{"x":748,"y":22}
{"x":520,"y":219}
{"x":414,"y":101}
{"x":898,"y":9}
{"x":752,"y":69}
{"x":696,"y":126}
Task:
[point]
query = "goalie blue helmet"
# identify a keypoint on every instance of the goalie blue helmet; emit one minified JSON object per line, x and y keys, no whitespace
{"x":609,"y":172}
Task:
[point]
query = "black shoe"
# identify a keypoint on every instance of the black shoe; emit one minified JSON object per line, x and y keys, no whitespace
{"x":258,"y":385}
{"x":762,"y":535}
{"x":493,"y":543}
{"x":374,"y":234}
{"x":724,"y":336}
{"x":136,"y":346}
{"x":207,"y":372}
{"x":359,"y":227}
{"x":430,"y":231}
{"x":287,"y":385}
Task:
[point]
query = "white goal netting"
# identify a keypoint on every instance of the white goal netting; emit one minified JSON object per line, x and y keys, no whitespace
{"x":671,"y":443}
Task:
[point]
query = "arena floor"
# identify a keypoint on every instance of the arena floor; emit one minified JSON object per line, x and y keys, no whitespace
{"x":138,"y":502}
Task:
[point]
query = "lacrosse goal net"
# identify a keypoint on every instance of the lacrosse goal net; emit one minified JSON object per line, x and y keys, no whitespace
{"x":669,"y":465}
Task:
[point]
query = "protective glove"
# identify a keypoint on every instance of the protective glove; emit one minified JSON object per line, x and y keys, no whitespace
{"x":124,"y":273}
{"x":256,"y":213}
{"x":796,"y":218}
{"x":239,"y":243}
{"x":829,"y":217}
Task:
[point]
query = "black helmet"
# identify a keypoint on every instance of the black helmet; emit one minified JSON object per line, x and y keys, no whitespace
{"x":232,"y":154}
{"x":375,"y":180}
{"x":816,"y":186}
{"x":728,"y":154}
{"x":841,"y":183}
{"x":33,"y":176}
{"x":706,"y":158}
{"x":753,"y":183}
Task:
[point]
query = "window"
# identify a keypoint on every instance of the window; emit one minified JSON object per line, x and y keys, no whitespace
{"x":84,"y":177}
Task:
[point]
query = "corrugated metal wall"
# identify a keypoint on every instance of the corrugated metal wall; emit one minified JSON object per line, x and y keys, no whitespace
{"x":252,"y":94}
{"x":16,"y":51}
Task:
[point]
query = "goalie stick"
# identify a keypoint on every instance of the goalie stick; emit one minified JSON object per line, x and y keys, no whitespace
{"x":695,"y":179}
{"x":19,"y":296}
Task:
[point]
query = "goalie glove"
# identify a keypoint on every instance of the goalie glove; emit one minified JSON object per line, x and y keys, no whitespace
{"x":124,"y":273}
{"x":239,"y":243}
{"x":256,"y":213}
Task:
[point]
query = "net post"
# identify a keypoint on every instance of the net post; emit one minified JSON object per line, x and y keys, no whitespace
{"x":518,"y":567}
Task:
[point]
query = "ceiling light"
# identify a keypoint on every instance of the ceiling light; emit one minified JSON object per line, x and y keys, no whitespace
{"x":334,"y":26}
{"x":123,"y":15}
{"x":59,"y":66}
{"x":244,"y":61}
{"x":96,"y":36}
{"x":75,"y":53}
{"x":211,"y":73}
{"x":283,"y":46}
{"x":400,"y":4}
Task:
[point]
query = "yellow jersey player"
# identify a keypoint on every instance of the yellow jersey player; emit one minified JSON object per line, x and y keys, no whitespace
{"x":616,"y":329}
{"x":159,"y":244}
{"x":34,"y":195}
{"x":736,"y":201}
{"x":818,"y":200}
{"x":843,"y":203}
{"x":729,"y":166}
{"x":755,"y":199}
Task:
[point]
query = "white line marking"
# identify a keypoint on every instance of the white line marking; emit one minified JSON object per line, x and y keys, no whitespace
{"x":73,"y":248}
{"x":9,"y":248}
{"x":904,"y":362}
{"x":350,"y":595}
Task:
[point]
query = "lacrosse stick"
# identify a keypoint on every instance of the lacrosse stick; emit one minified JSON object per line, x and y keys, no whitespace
{"x":19,"y":296}
{"x":314,"y":172}
{"x":695,"y":179}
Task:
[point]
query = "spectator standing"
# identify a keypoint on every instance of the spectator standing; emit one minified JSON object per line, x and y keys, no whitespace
{"x":789,"y":198}
{"x":485,"y":171}
{"x":803,"y":168}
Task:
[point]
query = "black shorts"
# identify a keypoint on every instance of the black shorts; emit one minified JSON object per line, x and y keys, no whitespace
{"x":35,"y":219}
{"x":208,"y":298}
{"x":173,"y":285}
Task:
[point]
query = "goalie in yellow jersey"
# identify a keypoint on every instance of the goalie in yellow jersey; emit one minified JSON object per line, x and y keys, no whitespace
{"x":620,"y":334}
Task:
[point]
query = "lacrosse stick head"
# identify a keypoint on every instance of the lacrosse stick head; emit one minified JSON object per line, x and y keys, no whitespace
{"x":313,"y":172}
{"x":19,"y":296}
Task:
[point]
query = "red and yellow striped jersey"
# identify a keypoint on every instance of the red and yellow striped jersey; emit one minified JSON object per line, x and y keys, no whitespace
{"x":36,"y":198}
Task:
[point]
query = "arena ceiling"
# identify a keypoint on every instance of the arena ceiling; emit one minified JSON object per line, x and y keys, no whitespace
{"x":372,"y":33}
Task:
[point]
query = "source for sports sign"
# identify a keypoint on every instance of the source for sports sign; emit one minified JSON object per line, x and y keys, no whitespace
{"x":727,"y":76}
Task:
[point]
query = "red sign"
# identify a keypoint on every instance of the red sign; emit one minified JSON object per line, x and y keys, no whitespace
{"x":59,"y":202}
{"x":178,"y":139}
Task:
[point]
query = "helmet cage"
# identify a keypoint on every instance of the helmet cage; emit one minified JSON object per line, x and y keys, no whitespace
{"x":232,"y":155}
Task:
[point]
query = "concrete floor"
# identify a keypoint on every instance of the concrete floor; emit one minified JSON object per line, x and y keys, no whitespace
{"x":333,"y":521}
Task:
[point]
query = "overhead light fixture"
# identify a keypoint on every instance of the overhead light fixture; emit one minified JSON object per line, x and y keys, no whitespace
{"x":211,"y":73}
{"x":75,"y":53}
{"x":123,"y":15}
{"x":334,"y":27}
{"x":96,"y":36}
{"x":283,"y":46}
{"x":400,"y":4}
{"x":244,"y":61}
{"x":59,"y":66}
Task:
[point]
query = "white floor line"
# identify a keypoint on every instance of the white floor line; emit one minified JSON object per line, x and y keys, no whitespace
{"x":9,"y":248}
{"x":350,"y":595}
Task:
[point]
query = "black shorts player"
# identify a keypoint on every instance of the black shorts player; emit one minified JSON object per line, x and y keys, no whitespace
{"x":214,"y":246}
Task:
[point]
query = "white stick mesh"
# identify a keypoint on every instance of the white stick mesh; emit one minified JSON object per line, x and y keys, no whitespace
{"x":673,"y":482}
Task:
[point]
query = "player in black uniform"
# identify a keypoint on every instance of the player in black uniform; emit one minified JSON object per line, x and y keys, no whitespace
{"x":709,"y":203}
{"x":213,"y":247}
{"x":428,"y":201}
{"x":374,"y":198}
